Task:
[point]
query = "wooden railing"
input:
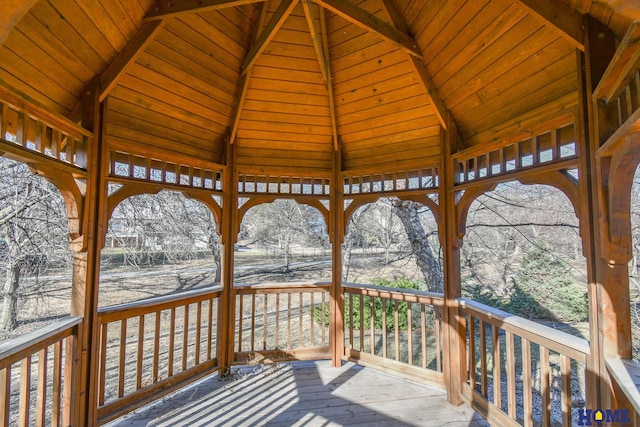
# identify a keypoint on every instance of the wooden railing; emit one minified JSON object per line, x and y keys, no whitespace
{"x":516,"y":365}
{"x":152,"y":347}
{"x":38,"y":376}
{"x":284,"y":321}
{"x":398,"y":330}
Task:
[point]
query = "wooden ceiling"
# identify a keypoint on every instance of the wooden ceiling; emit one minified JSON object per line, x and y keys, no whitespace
{"x":293,"y":80}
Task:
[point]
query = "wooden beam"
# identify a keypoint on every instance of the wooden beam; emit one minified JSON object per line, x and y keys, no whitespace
{"x":332,"y":102}
{"x":623,"y":65}
{"x":128,"y":56}
{"x":315,"y":37}
{"x":419,"y":67}
{"x":558,"y":17}
{"x":168,"y":8}
{"x":277,"y":20}
{"x":369,"y":22}
{"x":11,"y":11}
{"x":243,"y":85}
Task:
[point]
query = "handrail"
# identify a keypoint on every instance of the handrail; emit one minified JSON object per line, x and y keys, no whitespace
{"x":626,"y":373}
{"x":272,"y":288}
{"x":561,"y":342}
{"x":398,"y":294}
{"x":152,"y":305}
{"x":16,"y":349}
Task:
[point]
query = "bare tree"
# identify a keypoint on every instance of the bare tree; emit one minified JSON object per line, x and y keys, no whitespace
{"x":33,"y":233}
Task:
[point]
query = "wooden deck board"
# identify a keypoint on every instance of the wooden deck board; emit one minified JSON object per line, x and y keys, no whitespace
{"x":305,"y":393}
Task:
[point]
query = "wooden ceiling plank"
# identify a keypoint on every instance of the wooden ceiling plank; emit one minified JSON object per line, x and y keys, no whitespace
{"x":168,"y":8}
{"x":274,"y":24}
{"x":128,"y":56}
{"x":419,"y":67}
{"x":558,"y":17}
{"x":369,"y":22}
{"x":623,"y":65}
{"x":11,"y":11}
{"x":315,"y":37}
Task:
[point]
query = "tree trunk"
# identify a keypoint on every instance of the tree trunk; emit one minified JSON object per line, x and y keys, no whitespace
{"x":9,"y":312}
{"x":214,"y":247}
{"x":407,"y":211}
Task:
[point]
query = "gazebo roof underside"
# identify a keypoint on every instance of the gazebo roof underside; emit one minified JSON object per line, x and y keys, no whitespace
{"x":290,"y":82}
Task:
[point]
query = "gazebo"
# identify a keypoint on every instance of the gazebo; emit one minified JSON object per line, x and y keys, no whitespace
{"x":332,"y":103}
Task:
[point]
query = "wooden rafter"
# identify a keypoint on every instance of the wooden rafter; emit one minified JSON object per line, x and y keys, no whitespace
{"x":558,"y":17}
{"x":419,"y":67}
{"x":167,"y":8}
{"x":624,"y":63}
{"x":128,"y":56}
{"x":315,"y":37}
{"x":332,"y":103}
{"x":243,"y":85}
{"x":277,"y":20}
{"x":369,"y":22}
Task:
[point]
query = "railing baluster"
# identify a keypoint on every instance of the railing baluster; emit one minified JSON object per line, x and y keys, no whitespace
{"x":423,"y":322}
{"x":140,"y":353}
{"x":361,"y":323}
{"x":472,"y":352}
{"x":565,"y":370}
{"x":409,"y":335}
{"x":311,"y":318}
{"x":372,"y":332}
{"x":198,"y":331}
{"x":324,"y":319}
{"x":185,"y":336}
{"x":103,"y":361}
{"x":56,"y":387}
{"x":41,"y":400}
{"x":210,"y":327}
{"x":300,"y":323}
{"x":288,"y":320}
{"x":5,"y":396}
{"x":25,"y":391}
{"x":384,"y":328}
{"x":253,"y":322}
{"x":172,"y":343}
{"x":277,"y":339}
{"x":526,"y":382}
{"x":156,"y":348}
{"x":350,"y":320}
{"x":438,"y":322}
{"x":121,"y":362}
{"x":240,"y":319}
{"x":511,"y":375}
{"x":483,"y":358}
{"x":497,"y":374}
{"x":396,"y":318}
{"x":265,"y":321}
{"x":545,"y":387}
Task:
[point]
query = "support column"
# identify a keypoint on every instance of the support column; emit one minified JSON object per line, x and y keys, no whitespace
{"x":86,"y":260}
{"x":227,"y":302}
{"x":336,"y":234}
{"x":454,"y":342}
{"x":608,"y":280}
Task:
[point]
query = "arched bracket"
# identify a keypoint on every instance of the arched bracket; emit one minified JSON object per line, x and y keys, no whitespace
{"x":616,"y":170}
{"x":259,"y":200}
{"x":73,"y":192}
{"x":208,"y":201}
{"x":464,"y":200}
{"x":423,"y":199}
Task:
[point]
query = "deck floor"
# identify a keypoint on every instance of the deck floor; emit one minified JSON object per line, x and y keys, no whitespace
{"x":304,"y":394}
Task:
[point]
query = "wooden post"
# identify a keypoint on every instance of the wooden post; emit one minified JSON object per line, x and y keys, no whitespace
{"x":609,"y":309}
{"x":227,"y":302}
{"x":336,"y":305}
{"x":454,"y":343}
{"x":86,"y":263}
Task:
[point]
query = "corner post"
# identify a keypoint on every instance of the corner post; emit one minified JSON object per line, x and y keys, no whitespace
{"x":454,"y":342}
{"x":608,"y":280}
{"x":227,"y":302}
{"x":336,"y":234}
{"x":86,"y":261}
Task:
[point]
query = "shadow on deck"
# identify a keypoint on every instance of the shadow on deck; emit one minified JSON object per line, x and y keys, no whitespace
{"x":304,"y":393}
